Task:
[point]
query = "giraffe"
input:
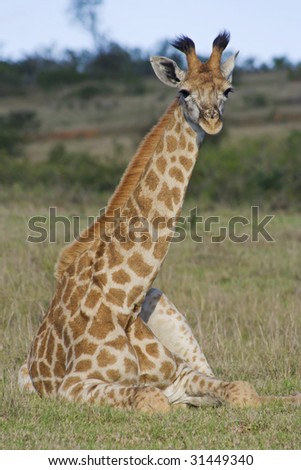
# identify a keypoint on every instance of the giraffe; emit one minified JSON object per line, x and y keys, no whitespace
{"x":108,"y":337}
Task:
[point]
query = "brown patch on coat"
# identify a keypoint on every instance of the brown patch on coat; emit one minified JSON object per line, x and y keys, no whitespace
{"x":113,"y":375}
{"x":145,"y":204}
{"x":177,"y":174}
{"x":161,"y":165}
{"x":139,"y":266}
{"x":165,"y":196}
{"x":168,"y":369}
{"x":186,"y":162}
{"x":59,"y":369}
{"x":115,"y":258}
{"x":92,"y":298}
{"x":78,"y":325}
{"x":141,"y":331}
{"x":102,"y":324}
{"x":160,"y":248}
{"x":152,"y":349}
{"x":172,"y":143}
{"x":121,"y":277}
{"x":83,"y":365}
{"x":105,"y":358}
{"x":84,"y":347}
{"x":119,"y":343}
{"x":176,"y":195}
{"x":116,"y":296}
{"x":100,"y":280}
{"x":130,"y":366}
{"x":152,"y":180}
{"x":44,"y":369}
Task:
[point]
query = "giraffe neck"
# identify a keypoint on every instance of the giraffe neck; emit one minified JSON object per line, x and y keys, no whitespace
{"x":153,"y":206}
{"x":161,"y":189}
{"x":127,"y":185}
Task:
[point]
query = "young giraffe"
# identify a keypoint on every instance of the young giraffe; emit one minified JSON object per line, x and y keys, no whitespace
{"x":108,"y":338}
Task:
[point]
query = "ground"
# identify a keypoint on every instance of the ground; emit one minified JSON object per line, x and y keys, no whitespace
{"x":243,"y":302}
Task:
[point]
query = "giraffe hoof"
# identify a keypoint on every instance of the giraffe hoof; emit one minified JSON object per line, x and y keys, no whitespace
{"x":151,"y":400}
{"x":241,"y":393}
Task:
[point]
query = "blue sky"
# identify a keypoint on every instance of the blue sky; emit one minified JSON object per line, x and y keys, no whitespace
{"x":259,"y":28}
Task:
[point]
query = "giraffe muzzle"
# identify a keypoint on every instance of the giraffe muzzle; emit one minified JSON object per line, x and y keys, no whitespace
{"x":211,"y":121}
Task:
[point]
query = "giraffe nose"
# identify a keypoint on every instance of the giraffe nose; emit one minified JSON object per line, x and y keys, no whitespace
{"x":211,"y":113}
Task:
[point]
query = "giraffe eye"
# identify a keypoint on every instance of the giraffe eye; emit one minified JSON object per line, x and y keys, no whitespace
{"x":185,"y":93}
{"x":226,"y":93}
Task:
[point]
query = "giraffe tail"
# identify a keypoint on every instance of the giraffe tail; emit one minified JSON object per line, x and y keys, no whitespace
{"x":294,"y":399}
{"x":24,"y":380}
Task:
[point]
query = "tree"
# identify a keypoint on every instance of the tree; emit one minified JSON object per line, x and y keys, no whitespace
{"x":281,"y":63}
{"x":86,"y":13}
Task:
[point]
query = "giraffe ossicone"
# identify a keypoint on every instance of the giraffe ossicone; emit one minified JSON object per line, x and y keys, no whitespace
{"x":108,"y":337}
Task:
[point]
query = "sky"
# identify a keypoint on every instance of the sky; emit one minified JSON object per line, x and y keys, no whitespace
{"x":259,"y":28}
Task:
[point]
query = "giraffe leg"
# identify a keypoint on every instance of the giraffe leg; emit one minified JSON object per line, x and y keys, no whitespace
{"x":196,"y":389}
{"x":172,"y":329}
{"x":145,"y":399}
{"x":112,"y":374}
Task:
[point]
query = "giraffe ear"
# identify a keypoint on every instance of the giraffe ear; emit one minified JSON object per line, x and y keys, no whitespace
{"x":228,"y":66}
{"x":167,"y":71}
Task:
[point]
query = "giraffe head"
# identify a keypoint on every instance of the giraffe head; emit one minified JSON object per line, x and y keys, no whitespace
{"x":204,"y":87}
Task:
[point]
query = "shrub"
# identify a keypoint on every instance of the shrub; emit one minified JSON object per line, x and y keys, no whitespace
{"x":263,"y":171}
{"x":255,"y":171}
{"x":256,"y":100}
{"x":13,"y":129}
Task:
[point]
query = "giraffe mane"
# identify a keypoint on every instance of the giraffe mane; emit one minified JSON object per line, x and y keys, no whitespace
{"x":126,"y":186}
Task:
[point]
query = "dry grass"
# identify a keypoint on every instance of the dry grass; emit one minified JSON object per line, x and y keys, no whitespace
{"x":243,"y":301}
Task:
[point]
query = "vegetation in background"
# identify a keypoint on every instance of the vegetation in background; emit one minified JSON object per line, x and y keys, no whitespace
{"x":253,"y":171}
{"x":14,"y":127}
{"x":256,"y":171}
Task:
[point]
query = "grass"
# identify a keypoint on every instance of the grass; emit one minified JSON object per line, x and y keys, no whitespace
{"x":243,"y":302}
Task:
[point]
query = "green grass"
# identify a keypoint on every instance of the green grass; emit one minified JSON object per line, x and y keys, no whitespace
{"x":243,"y":302}
{"x":30,"y":423}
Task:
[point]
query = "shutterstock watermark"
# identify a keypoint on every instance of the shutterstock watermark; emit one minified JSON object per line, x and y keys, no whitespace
{"x":213,"y":229}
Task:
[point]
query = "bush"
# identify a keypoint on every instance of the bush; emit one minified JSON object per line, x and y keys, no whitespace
{"x":90,"y":91}
{"x":62,"y":169}
{"x":264,"y":171}
{"x":253,"y":171}
{"x":58,"y":76}
{"x":256,"y":100}
{"x":13,"y":129}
